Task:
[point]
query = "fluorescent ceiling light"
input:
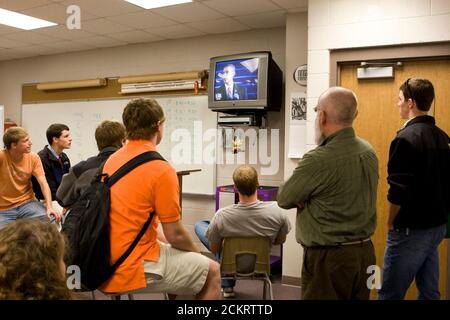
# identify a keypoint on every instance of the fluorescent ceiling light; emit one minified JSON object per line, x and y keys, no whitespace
{"x":21,"y":21}
{"x":151,"y":4}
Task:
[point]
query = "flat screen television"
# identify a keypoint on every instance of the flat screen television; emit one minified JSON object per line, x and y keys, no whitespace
{"x":245,"y":83}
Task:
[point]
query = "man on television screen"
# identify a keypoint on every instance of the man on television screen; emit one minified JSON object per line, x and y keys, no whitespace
{"x":230,"y":90}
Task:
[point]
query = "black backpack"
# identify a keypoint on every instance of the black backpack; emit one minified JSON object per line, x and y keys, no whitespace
{"x":87,"y":226}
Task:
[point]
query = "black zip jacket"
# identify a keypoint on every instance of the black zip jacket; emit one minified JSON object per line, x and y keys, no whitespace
{"x":54,"y":170}
{"x":419,"y":174}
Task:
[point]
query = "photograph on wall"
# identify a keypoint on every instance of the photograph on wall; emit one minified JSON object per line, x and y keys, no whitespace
{"x":298,"y":107}
{"x":297,"y":125}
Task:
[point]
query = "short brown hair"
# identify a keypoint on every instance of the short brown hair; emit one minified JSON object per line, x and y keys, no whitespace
{"x":245,"y":179}
{"x":109,"y":134}
{"x":141,"y":118}
{"x":55,"y":131}
{"x":31,"y":253}
{"x":13,"y":135}
{"x":419,"y":90}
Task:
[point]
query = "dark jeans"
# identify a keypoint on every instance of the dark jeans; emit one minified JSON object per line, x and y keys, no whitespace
{"x":200,"y":230}
{"x":412,"y":253}
{"x":337,"y":272}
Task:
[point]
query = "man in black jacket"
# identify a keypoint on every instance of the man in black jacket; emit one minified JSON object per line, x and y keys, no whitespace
{"x":419,"y":196}
{"x":110,"y":136}
{"x":54,"y":160}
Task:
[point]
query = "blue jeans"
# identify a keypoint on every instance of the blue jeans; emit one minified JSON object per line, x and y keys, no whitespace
{"x":200,"y":230}
{"x":412,"y":253}
{"x":29,"y":210}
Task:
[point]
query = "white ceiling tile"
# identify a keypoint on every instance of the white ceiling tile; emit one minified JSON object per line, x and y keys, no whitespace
{"x":136,"y":36}
{"x":103,"y":8}
{"x":10,"y":54}
{"x":291,"y":4}
{"x":30,"y":37}
{"x":142,"y":20}
{"x":298,"y":9}
{"x":69,"y":45}
{"x":54,"y":13}
{"x":6,"y":54}
{"x":189,"y":12}
{"x":124,"y":23}
{"x":8,"y":43}
{"x":56,"y":51}
{"x":36,"y":49}
{"x":104,"y":26}
{"x":17,"y":5}
{"x":6,"y":29}
{"x":240,"y":8}
{"x":219,"y":26}
{"x":101,"y":41}
{"x":264,"y":20}
{"x":61,"y":32}
{"x":176,"y":32}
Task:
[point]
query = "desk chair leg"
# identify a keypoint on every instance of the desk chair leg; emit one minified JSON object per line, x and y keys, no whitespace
{"x":166,"y":296}
{"x":269,"y":283}
{"x":93,"y":295}
{"x":264,"y":289}
{"x":270,"y":289}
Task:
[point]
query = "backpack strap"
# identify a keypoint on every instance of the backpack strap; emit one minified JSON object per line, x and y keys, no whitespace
{"x":133,"y":163}
{"x":123,"y":170}
{"x":134,"y":244}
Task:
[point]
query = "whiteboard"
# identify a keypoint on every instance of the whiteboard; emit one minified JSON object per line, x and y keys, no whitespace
{"x":187,"y":115}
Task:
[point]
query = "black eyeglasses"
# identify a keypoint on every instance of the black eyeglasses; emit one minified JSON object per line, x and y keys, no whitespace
{"x":408,"y":88}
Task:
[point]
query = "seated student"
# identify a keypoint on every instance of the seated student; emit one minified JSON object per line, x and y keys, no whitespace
{"x":177,"y":267}
{"x":54,"y":160}
{"x":17,"y":165}
{"x":31,"y":262}
{"x":249,"y":218}
{"x":110,"y":136}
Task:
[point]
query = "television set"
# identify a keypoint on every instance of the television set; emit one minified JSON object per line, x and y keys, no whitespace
{"x":245,"y":83}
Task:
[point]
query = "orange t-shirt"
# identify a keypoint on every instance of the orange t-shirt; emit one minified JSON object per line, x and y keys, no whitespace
{"x":15,"y":187}
{"x":151,"y":186}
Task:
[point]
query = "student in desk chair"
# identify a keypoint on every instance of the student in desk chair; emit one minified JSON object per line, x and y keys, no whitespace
{"x":175,"y":267}
{"x":17,"y":165}
{"x":110,"y":136}
{"x":248,"y":218}
{"x":54,"y":160}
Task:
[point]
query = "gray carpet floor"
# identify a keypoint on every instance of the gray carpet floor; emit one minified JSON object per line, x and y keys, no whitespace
{"x":244,"y":290}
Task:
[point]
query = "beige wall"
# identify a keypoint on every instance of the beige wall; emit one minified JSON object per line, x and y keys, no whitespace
{"x":334,"y":24}
{"x":337,"y":24}
{"x":296,"y":55}
{"x":157,"y":57}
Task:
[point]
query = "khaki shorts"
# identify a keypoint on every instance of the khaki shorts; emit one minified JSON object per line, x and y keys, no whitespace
{"x":176,"y":272}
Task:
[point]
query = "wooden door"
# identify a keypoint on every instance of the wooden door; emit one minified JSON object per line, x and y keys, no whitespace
{"x":378,"y":121}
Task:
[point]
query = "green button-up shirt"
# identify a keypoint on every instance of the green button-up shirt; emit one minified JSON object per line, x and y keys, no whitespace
{"x":337,"y":184}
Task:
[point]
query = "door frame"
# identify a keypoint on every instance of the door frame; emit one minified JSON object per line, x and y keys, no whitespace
{"x":426,"y":51}
{"x":394,"y":53}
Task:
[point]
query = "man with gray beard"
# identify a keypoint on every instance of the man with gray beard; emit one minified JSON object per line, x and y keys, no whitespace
{"x":334,"y":189}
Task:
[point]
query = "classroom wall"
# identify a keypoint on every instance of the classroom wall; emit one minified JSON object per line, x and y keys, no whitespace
{"x":157,"y":57}
{"x":338,"y":24}
{"x":296,"y":55}
{"x":352,"y":23}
